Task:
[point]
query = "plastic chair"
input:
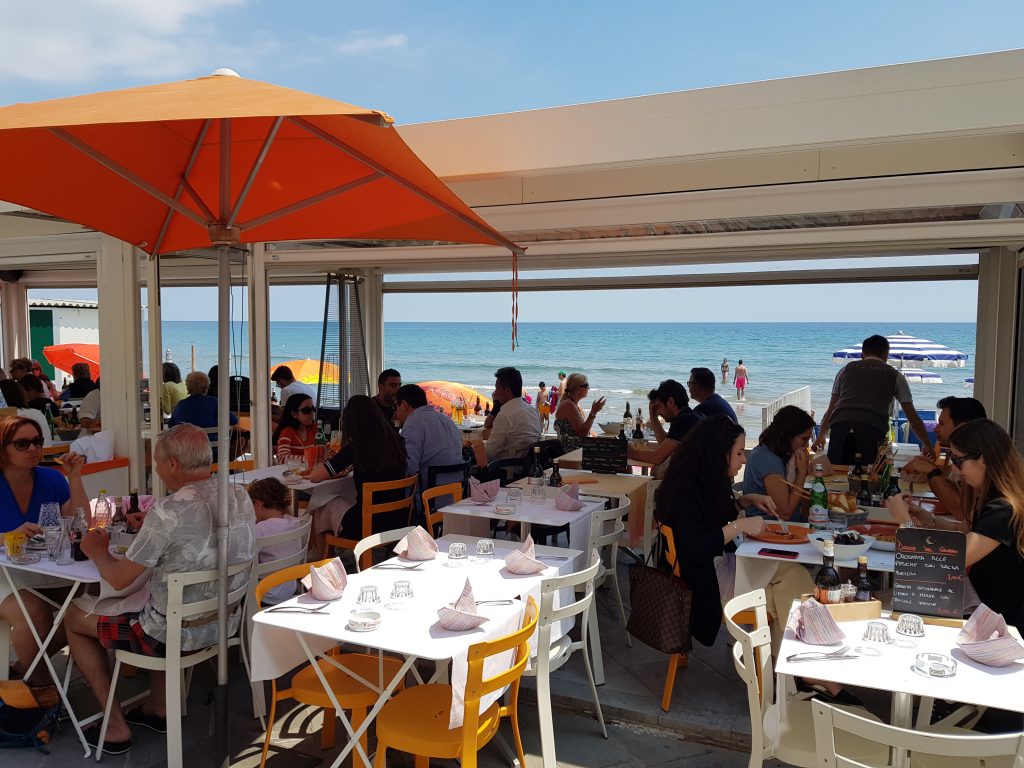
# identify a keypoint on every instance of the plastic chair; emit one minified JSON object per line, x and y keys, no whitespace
{"x":783,"y":730}
{"x":435,"y":518}
{"x":559,"y":652}
{"x":305,"y":684}
{"x":174,"y":663}
{"x":416,"y":720}
{"x":370,"y":508}
{"x":835,"y":728}
{"x":605,"y":538}
{"x":378,"y":540}
{"x":677,"y":660}
{"x":450,"y":469}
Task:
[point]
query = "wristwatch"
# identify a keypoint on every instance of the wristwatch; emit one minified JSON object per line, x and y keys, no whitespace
{"x":934,"y":473}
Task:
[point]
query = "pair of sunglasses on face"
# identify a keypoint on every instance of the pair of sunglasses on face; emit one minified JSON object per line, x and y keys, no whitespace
{"x":24,"y":444}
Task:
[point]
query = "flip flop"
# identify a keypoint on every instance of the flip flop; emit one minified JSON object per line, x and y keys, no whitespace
{"x":92,"y":738}
{"x":153,"y":722}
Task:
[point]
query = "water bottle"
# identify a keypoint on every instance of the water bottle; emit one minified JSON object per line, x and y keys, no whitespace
{"x":101,"y":515}
{"x":818,"y":514}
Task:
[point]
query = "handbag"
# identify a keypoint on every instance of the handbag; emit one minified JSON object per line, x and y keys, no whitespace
{"x":660,"y":609}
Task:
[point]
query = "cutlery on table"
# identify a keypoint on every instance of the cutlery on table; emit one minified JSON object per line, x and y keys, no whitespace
{"x":821,"y":655}
{"x":296,"y":608}
{"x":552,"y":557}
{"x":398,"y":566}
{"x":495,"y":602}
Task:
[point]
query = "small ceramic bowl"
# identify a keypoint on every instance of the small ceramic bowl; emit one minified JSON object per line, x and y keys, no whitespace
{"x":363,"y":621}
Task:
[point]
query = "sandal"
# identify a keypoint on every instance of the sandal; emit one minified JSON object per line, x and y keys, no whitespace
{"x":843,"y":696}
{"x":92,"y":738}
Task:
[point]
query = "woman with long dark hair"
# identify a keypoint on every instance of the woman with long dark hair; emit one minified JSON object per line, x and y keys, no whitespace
{"x":296,"y":430}
{"x":778,"y":466}
{"x":373,"y":452}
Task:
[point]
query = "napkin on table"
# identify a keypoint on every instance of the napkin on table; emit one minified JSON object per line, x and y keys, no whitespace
{"x":986,"y":639}
{"x":483,"y":493}
{"x":416,"y":545}
{"x":813,"y":623}
{"x":568,"y":498}
{"x":462,"y":615}
{"x":524,"y":560}
{"x":327,"y":582}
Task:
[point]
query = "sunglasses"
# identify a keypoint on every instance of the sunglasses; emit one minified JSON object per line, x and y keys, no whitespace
{"x":958,"y":461}
{"x":307,"y":410}
{"x":585,"y":385}
{"x":23,"y":444}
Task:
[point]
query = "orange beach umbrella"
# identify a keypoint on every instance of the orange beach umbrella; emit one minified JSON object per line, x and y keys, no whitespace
{"x":443,"y":393}
{"x":308,"y":371}
{"x":63,"y":356}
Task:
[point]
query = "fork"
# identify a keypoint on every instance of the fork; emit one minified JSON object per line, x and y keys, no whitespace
{"x":296,"y":609}
{"x":817,"y":656}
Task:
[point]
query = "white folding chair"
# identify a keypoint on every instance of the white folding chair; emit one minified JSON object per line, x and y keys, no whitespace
{"x":781,"y":729}
{"x":174,"y":664}
{"x":552,"y":656}
{"x":928,"y":749}
{"x":650,"y":529}
{"x":379,"y":539}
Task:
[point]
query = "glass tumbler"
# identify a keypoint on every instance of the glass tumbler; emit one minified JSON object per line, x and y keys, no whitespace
{"x":514,"y":496}
{"x":456,"y":554}
{"x":368,"y":595}
{"x":52,"y":534}
{"x":49,"y":514}
{"x":877,"y":632}
{"x":484,"y":550}
{"x":401,"y":594}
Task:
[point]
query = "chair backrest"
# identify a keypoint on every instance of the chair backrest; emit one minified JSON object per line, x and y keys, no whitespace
{"x":671,"y":555}
{"x":550,"y":587}
{"x":985,"y":749}
{"x":603,"y":535}
{"x":462,"y":469}
{"x":180,"y":611}
{"x":299,"y":535}
{"x":370,"y":507}
{"x":362,"y":551}
{"x":752,"y":655}
{"x":246,"y":465}
{"x":291,"y":573}
{"x":435,"y":518}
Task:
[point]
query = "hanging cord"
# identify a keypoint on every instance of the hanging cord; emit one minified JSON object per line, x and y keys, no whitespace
{"x":515,"y":300}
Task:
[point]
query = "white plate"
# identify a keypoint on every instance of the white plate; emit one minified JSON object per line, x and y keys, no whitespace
{"x":884,"y":546}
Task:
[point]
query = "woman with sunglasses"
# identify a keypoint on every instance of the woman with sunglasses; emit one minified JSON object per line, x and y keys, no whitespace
{"x":570,"y":424}
{"x":51,"y":389}
{"x":24,"y":488}
{"x":296,"y":430}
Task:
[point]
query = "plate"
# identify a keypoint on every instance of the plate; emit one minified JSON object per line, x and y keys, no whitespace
{"x":884,"y":535}
{"x":26,"y":559}
{"x":773,"y":534}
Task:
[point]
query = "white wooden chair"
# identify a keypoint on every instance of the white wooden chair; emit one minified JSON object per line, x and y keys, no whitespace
{"x":559,"y":652}
{"x":379,"y":539}
{"x":928,"y":749}
{"x":783,"y":730}
{"x":606,"y":529}
{"x":174,"y":664}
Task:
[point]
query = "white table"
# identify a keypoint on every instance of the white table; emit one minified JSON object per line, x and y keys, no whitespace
{"x":469,"y":518}
{"x":412,"y":632}
{"x":894,"y":671}
{"x":77,"y":574}
{"x":754,"y":571}
{"x":320,"y":493}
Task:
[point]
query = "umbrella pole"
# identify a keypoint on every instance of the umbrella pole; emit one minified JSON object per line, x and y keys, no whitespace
{"x":221,"y":749}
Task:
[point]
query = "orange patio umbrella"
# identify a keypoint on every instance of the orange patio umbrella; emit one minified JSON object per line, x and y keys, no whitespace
{"x":443,"y":393}
{"x":63,"y":356}
{"x":308,"y":371}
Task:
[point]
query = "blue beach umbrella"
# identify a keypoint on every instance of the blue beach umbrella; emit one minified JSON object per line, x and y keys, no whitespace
{"x":909,"y":349}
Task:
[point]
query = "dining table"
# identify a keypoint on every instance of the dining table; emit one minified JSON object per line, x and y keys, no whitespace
{"x":319,"y":493}
{"x":284,"y":638}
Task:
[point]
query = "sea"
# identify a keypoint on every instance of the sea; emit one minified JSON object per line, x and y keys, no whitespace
{"x":623,"y":361}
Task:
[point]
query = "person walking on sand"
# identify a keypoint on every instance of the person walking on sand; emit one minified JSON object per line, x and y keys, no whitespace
{"x":725,"y":370}
{"x":740,"y":380}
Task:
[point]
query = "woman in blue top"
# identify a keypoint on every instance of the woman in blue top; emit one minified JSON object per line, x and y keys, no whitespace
{"x":24,"y":487}
{"x":781,"y":458}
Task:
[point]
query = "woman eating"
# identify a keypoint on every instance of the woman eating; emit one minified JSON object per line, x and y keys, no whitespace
{"x":570,"y":425}
{"x":779,"y":464}
{"x":296,"y":430}
{"x":24,"y":488}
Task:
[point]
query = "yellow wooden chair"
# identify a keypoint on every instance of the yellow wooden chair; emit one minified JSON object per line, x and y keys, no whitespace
{"x":305,"y":684}
{"x":371,"y":508}
{"x":241,"y":465}
{"x":416,"y":720}
{"x":435,"y":518}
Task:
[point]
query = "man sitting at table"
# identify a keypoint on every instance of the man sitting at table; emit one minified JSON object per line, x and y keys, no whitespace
{"x":702,"y":389}
{"x":285,"y":380}
{"x":670,"y":402}
{"x":82,"y":384}
{"x":388,"y":384}
{"x":517,"y":425}
{"x":431,"y":438}
{"x":178,"y":535}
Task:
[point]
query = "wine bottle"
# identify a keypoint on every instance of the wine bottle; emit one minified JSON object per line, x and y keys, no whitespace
{"x":556,"y":476}
{"x":79,"y":528}
{"x":828,"y":589}
{"x":638,"y":427}
{"x":627,"y":420}
{"x":863,"y":582}
{"x":894,"y":486}
{"x":536,"y":472}
{"x":864,"y":494}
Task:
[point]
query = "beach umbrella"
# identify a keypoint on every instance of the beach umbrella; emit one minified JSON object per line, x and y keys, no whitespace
{"x":442,"y":394}
{"x":221,"y":161}
{"x":908,"y":349}
{"x":919,"y":376}
{"x":309,"y":371}
{"x":64,"y":356}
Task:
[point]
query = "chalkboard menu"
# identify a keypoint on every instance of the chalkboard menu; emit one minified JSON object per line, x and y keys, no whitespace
{"x":604,"y":454}
{"x":930,"y":572}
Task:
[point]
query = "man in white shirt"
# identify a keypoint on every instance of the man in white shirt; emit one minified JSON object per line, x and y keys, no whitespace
{"x":517,"y":425}
{"x":285,"y":380}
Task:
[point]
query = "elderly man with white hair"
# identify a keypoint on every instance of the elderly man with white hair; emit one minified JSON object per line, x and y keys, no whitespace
{"x":178,"y":535}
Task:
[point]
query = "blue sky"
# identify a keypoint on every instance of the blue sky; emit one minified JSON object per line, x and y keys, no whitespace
{"x":438,"y":60}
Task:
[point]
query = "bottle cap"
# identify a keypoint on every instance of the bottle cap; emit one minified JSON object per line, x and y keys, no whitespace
{"x":862,"y":560}
{"x":819,"y":467}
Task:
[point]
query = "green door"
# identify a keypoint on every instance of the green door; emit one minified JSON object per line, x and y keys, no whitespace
{"x":40,"y":323}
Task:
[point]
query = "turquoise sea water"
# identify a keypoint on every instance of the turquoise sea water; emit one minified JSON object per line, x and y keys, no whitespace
{"x":622,"y":360}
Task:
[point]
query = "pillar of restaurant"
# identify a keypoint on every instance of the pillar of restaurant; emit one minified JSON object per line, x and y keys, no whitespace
{"x":117,"y":286}
{"x":371,"y":296}
{"x":995,"y":355}
{"x":14,"y":303}
{"x":156,"y":367}
{"x":259,"y":356}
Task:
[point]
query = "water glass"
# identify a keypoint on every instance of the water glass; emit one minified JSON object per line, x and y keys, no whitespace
{"x":64,"y":553}
{"x":368,"y":595}
{"x":910,"y":624}
{"x":877,"y":632}
{"x":401,"y":594}
{"x":52,"y":534}
{"x":538,"y":494}
{"x":456,"y":554}
{"x":514,"y":496}
{"x":295,"y":463}
{"x":484,"y":550}
{"x":49,"y":514}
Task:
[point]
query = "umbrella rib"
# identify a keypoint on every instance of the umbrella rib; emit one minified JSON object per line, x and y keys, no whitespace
{"x":366,"y":160}
{"x":256,"y":165}
{"x":183,"y":184}
{"x":298,"y":206}
{"x":127,"y":175}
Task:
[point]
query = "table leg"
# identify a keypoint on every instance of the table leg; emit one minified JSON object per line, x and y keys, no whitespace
{"x":902,"y":711}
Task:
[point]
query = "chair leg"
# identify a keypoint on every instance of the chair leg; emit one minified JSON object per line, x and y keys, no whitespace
{"x":185,"y":688}
{"x":270,"y":723}
{"x":422,"y":761}
{"x":670,"y":681}
{"x":547,"y":726}
{"x":358,"y":716}
{"x":622,"y":606}
{"x":595,"y":644}
{"x":327,"y":731}
{"x":174,"y":713}
{"x":106,"y":711}
{"x":514,"y":718}
{"x":381,"y":758}
{"x":593,"y":688}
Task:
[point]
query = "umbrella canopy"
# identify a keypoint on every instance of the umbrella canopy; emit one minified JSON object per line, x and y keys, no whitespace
{"x":223,"y":159}
{"x":63,"y":356}
{"x":442,"y":394}
{"x":908,"y":349}
{"x":918,"y":376}
{"x":308,"y":371}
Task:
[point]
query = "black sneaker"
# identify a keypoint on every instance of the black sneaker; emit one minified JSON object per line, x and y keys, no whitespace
{"x":140,"y":718}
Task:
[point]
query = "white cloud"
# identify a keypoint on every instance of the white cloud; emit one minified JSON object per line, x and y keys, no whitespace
{"x":361,"y":42}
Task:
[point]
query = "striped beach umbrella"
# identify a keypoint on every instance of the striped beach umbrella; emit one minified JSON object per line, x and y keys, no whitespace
{"x":919,"y":376}
{"x":909,"y":349}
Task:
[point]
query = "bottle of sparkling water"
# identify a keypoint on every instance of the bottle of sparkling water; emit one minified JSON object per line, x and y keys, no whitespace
{"x":818,"y":514}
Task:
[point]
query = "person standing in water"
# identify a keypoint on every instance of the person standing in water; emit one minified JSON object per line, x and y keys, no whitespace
{"x":725,"y":370}
{"x":740,"y":380}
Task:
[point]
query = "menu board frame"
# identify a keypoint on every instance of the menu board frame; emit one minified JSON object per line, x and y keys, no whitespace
{"x":930,"y":572}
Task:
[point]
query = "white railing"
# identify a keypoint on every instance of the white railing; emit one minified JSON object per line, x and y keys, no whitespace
{"x":801,"y":398}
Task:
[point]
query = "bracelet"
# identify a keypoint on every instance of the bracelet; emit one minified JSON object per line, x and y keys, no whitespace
{"x":934,"y":473}
{"x":735,"y":527}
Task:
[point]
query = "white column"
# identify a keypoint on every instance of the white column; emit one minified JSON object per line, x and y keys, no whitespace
{"x":14,"y":319}
{"x":121,"y":353}
{"x":259,"y":355}
{"x":371,"y":296}
{"x":997,"y":333}
{"x":156,"y":367}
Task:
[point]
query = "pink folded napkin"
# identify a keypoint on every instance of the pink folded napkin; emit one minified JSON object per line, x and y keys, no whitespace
{"x":483,"y":493}
{"x":568,"y":498}
{"x":812,"y":623}
{"x":986,"y":639}
{"x":327,"y":582}
{"x":462,"y":615}
{"x":416,"y":545}
{"x":524,"y":560}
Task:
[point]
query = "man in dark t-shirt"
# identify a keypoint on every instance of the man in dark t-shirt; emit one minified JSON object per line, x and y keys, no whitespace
{"x":388,"y":384}
{"x":671,"y":402}
{"x":702,"y":389}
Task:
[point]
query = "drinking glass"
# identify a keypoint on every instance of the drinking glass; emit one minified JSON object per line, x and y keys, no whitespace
{"x":368,"y":595}
{"x":64,"y":554}
{"x":294,"y":463}
{"x":456,"y":554}
{"x":877,"y":632}
{"x":910,"y":624}
{"x":484,"y":550}
{"x":49,"y":514}
{"x":15,"y":543}
{"x":52,"y":533}
{"x":514,"y":496}
{"x":401,"y":594}
{"x":538,"y":494}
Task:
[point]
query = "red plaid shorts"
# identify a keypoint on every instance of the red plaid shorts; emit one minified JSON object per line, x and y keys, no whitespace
{"x":125,"y":633}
